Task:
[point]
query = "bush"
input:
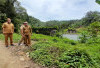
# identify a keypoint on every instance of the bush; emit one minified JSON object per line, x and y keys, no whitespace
{"x":76,"y":59}
{"x":91,"y":34}
{"x":84,"y":37}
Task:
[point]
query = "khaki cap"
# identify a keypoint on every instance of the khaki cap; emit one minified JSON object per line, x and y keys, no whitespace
{"x":25,"y":22}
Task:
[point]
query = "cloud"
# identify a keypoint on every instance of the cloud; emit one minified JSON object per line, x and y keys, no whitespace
{"x":59,"y":9}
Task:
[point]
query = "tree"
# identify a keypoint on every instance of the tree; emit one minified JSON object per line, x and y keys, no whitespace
{"x":10,"y":9}
{"x":91,"y":17}
{"x":21,"y":12}
{"x":34,"y":22}
{"x":98,"y":1}
{"x":94,"y":28}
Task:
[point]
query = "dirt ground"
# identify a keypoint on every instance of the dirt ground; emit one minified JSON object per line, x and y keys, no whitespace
{"x":15,"y":57}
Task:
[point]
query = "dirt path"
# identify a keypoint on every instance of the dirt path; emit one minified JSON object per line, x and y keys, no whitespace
{"x":15,"y":57}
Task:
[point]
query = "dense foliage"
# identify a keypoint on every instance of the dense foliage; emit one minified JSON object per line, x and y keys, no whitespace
{"x":44,"y":30}
{"x":90,"y":17}
{"x":91,"y":33}
{"x":18,"y":14}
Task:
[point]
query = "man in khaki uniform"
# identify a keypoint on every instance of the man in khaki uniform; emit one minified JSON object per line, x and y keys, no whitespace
{"x":27,"y":31}
{"x":23,"y":37}
{"x":8,"y":30}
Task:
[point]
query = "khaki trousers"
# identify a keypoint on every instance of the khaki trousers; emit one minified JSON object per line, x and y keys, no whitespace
{"x":28,"y":40}
{"x":22,"y":39}
{"x":8,"y":35}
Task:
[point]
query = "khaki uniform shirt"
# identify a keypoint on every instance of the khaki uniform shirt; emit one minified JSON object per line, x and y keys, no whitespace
{"x":27,"y":30}
{"x":21,"y":29}
{"x":22,"y":26}
{"x":8,"y":28}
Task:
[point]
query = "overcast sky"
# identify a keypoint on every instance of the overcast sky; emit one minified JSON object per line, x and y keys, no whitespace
{"x":46,"y":10}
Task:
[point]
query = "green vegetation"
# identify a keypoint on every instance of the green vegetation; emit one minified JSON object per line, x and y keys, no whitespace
{"x":18,"y":14}
{"x":64,"y":53}
{"x":44,"y":30}
{"x":91,"y":33}
{"x":98,"y":1}
{"x":16,"y":37}
{"x":89,"y":18}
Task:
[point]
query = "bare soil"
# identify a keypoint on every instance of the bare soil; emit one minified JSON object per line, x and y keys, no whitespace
{"x":15,"y":57}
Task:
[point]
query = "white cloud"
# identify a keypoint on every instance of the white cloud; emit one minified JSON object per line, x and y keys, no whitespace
{"x":59,"y":9}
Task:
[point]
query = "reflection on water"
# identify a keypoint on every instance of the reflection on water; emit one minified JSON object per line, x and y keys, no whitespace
{"x":71,"y":36}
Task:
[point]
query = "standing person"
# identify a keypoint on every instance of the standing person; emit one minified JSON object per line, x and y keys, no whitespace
{"x":8,"y":30}
{"x":23,"y":37}
{"x":27,"y":31}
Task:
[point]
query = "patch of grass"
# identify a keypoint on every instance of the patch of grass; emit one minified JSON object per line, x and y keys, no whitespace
{"x":16,"y":37}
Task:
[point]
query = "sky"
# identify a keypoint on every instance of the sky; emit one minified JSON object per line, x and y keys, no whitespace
{"x":46,"y":10}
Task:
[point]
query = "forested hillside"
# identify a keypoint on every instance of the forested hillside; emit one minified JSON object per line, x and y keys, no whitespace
{"x":89,"y":18}
{"x":18,"y":14}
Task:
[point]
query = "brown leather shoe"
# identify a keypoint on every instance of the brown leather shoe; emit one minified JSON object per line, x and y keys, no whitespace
{"x":26,"y":45}
{"x":6,"y":45}
{"x":12,"y":44}
{"x":19,"y":44}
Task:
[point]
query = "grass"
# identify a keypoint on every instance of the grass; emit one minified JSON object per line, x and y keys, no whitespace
{"x":16,"y":37}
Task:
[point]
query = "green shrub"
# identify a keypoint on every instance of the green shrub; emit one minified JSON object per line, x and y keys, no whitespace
{"x":76,"y":58}
{"x":84,"y":37}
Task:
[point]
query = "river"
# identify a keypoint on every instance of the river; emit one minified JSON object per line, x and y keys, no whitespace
{"x":71,"y":36}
